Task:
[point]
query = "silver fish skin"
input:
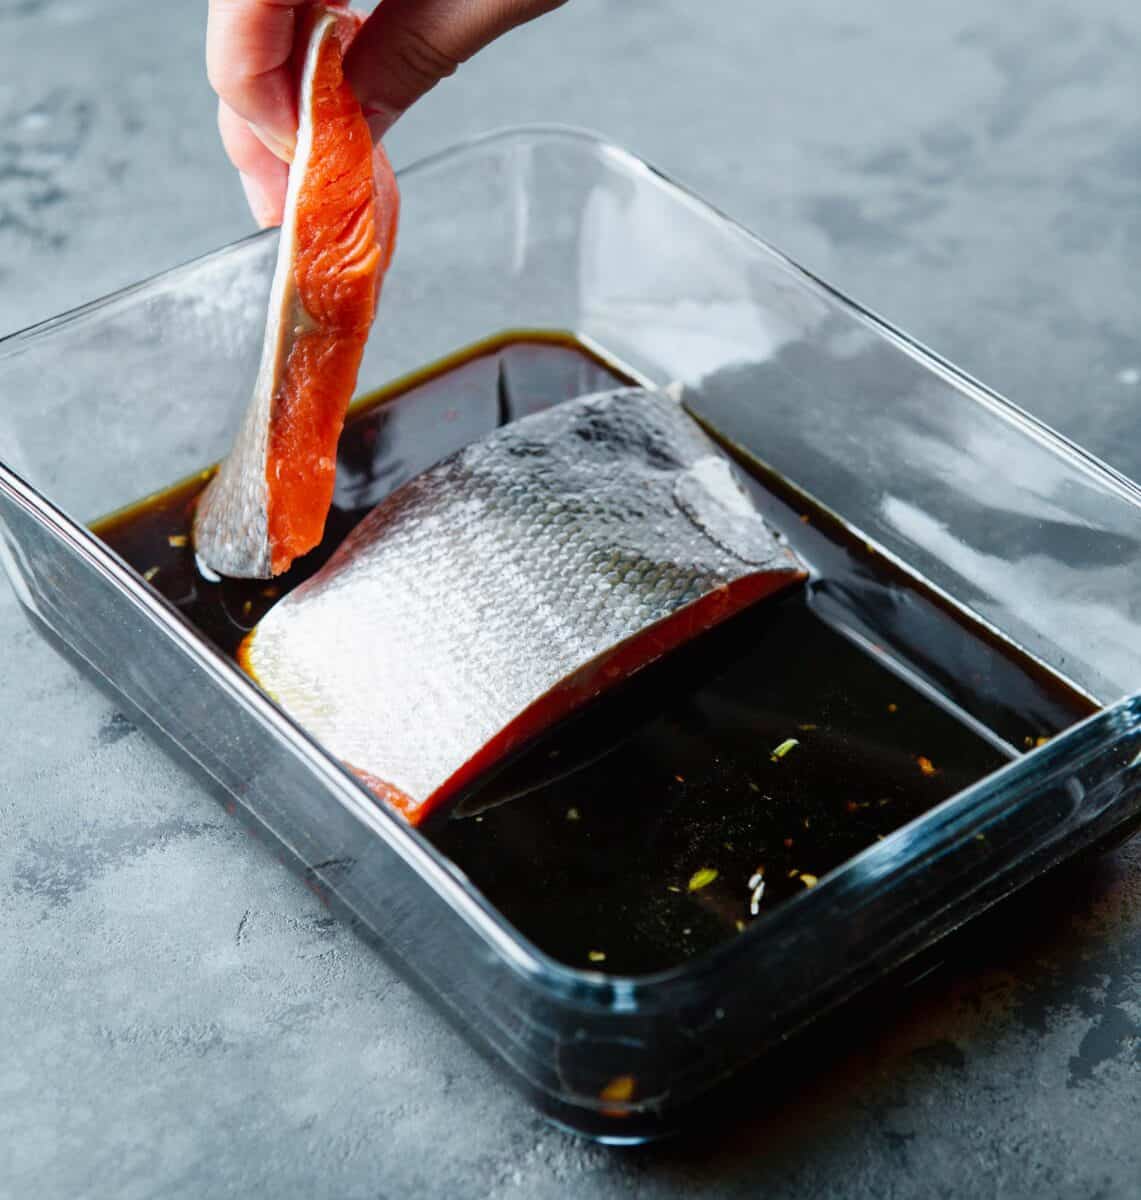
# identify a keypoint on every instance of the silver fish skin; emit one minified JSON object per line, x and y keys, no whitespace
{"x":510,"y":583}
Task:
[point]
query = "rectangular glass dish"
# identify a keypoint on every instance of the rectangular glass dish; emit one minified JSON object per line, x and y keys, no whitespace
{"x":554,"y":230}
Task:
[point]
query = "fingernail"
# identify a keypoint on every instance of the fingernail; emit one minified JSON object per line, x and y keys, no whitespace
{"x":276,"y":145}
{"x":261,"y":204}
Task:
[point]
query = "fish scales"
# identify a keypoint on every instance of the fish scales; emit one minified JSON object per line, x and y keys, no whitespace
{"x":510,"y":583}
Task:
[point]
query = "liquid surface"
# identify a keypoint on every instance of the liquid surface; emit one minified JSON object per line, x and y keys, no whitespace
{"x":713,"y":785}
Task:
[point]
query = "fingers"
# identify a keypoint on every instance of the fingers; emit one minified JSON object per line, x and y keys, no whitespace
{"x":407,"y":46}
{"x":263,"y":174}
{"x":248,"y":48}
{"x":403,"y":49}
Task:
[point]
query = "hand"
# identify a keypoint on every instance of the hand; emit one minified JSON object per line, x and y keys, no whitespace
{"x":403,"y":49}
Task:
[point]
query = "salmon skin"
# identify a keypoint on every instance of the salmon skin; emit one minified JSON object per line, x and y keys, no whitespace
{"x":270,"y":498}
{"x":511,"y":583}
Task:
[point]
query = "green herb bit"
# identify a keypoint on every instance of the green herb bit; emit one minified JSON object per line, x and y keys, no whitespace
{"x":702,"y":878}
{"x":784,"y":748}
{"x":596,"y":956}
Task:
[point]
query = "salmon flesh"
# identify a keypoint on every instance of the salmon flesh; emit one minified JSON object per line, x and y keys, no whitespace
{"x":511,"y":583}
{"x":270,"y":498}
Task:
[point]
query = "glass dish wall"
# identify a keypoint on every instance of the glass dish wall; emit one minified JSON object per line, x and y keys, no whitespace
{"x":558,"y":230}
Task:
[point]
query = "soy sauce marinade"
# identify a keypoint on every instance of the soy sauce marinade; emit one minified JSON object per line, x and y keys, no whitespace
{"x":723,"y":780}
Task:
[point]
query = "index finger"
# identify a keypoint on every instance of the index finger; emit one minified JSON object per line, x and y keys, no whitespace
{"x":249,"y":44}
{"x":405,"y":48}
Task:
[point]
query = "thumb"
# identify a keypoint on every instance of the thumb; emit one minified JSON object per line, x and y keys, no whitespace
{"x":407,"y":46}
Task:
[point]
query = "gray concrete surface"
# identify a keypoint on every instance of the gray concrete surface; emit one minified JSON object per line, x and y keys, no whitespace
{"x":178,"y":1016}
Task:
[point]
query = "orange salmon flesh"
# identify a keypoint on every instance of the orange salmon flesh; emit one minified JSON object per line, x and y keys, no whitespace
{"x":270,"y":499}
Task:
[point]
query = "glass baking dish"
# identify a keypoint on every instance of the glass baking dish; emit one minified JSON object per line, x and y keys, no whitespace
{"x":554,"y":229}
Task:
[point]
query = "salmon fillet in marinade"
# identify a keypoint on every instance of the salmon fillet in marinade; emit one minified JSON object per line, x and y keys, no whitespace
{"x":268,"y":503}
{"x":508,"y":585}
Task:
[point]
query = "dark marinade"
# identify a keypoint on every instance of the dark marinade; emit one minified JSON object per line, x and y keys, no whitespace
{"x":711,"y":786}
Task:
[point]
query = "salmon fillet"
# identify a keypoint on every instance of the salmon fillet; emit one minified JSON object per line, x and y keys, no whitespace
{"x":510,"y":584}
{"x":268,"y":502}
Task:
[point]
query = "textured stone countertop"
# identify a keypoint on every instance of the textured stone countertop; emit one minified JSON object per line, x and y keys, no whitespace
{"x":179,"y":1016}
